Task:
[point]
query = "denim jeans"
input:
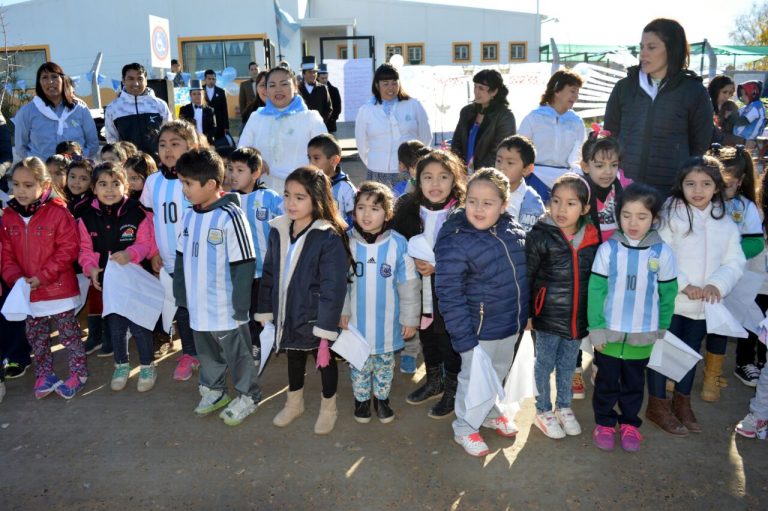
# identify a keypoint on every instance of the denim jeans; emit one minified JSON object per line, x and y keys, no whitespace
{"x":691,"y":332}
{"x":559,"y":354}
{"x":118,"y":327}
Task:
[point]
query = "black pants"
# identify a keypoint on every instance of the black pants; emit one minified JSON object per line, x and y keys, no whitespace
{"x":745,"y":348}
{"x":621,"y":382}
{"x":13,"y":337}
{"x":438,"y":350}
{"x":297,"y":364}
{"x":253,"y":325}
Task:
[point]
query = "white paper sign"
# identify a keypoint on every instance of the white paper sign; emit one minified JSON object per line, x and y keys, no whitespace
{"x":351,"y":345}
{"x":267,"y":341}
{"x":159,"y":42}
{"x":16,"y":306}
{"x":484,"y":388}
{"x":672,"y":357}
{"x":169,"y":302}
{"x":741,"y":301}
{"x":132,"y":292}
{"x":721,"y":321}
{"x":353,"y":78}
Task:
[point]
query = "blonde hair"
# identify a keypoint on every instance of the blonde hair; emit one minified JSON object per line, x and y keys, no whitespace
{"x":36,"y":166}
{"x":494,"y":177}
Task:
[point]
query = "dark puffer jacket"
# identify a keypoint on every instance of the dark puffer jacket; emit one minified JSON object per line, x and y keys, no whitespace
{"x":558,"y":275}
{"x":481,"y":282}
{"x":659,"y":135}
{"x":498,"y":123}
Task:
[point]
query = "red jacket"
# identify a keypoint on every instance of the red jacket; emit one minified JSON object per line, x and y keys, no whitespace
{"x":45,"y":248}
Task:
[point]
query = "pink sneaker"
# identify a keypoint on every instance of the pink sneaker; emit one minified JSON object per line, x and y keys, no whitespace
{"x":630,"y":438}
{"x":187,"y":364}
{"x":503,"y":426}
{"x":604,"y":437}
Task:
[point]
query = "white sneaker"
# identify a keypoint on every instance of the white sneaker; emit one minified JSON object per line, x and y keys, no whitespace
{"x":147,"y":378}
{"x":211,"y":400}
{"x":240,"y":408}
{"x":120,"y":377}
{"x":568,"y":420}
{"x":503,"y":425}
{"x":548,"y":424}
{"x":473,"y":444}
{"x":2,"y":391}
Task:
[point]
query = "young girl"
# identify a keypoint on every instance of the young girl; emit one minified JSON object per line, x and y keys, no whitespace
{"x":162,"y":194}
{"x":384,"y":298}
{"x":560,"y":248}
{"x":303,"y":285}
{"x":78,"y":192}
{"x":138,"y":168}
{"x":57,"y":169}
{"x":710,"y":262}
{"x":117,"y":228}
{"x":113,"y":153}
{"x":631,"y":299}
{"x":483,"y":291}
{"x":439,"y":188}
{"x":39,"y":245}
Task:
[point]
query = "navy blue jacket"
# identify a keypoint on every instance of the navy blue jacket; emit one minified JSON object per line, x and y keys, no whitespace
{"x":482,"y":283}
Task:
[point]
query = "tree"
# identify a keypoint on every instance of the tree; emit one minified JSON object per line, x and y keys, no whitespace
{"x":752,"y":27}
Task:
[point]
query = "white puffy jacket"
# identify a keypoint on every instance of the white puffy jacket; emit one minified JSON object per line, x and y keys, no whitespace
{"x":709,"y":254}
{"x":557,"y":138}
{"x":378,"y":135}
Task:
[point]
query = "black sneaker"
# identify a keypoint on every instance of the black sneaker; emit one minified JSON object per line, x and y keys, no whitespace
{"x":15,"y":370}
{"x":748,"y":374}
{"x":91,"y":346}
{"x":383,"y":410}
{"x":363,"y":411}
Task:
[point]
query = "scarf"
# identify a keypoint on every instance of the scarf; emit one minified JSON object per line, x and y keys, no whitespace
{"x":31,"y":209}
{"x":296,"y":106}
{"x":48,"y":112}
{"x":168,"y":173}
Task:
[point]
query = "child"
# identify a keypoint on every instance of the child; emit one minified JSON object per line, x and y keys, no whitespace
{"x":303,"y":285}
{"x":515,"y":158}
{"x":78,"y":192}
{"x":215,"y":284}
{"x":384,"y":298}
{"x":631,"y":300}
{"x":408,"y":155}
{"x":129,"y":148}
{"x":260,"y":205}
{"x":225,"y":152}
{"x":69,"y":148}
{"x":47,"y":265}
{"x":113,"y":153}
{"x":57,"y":169}
{"x":324,"y":152}
{"x":560,"y":248}
{"x":727,"y":118}
{"x":482,"y":289}
{"x":440,"y":188}
{"x":117,"y":228}
{"x":163,"y":195}
{"x":138,"y":168}
{"x":751,"y":120}
{"x":710,"y":262}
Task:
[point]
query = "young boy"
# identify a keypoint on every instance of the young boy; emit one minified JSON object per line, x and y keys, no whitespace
{"x":325,"y":153}
{"x":260,"y":205}
{"x":514,"y":158}
{"x":212,"y":277}
{"x":751,"y":120}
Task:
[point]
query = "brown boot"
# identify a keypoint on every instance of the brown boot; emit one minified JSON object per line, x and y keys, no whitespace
{"x":713,"y":380}
{"x":659,"y":411}
{"x":681,"y":407}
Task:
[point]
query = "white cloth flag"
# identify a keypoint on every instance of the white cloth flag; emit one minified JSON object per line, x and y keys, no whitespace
{"x":521,"y":383}
{"x":16,"y":306}
{"x":353,"y":346}
{"x":484,"y":388}
{"x":169,"y":302}
{"x":419,"y":248}
{"x":721,"y":321}
{"x":741,"y":301}
{"x":672,"y":357}
{"x":267,"y":338}
{"x":83,"y":283}
{"x":132,"y":292}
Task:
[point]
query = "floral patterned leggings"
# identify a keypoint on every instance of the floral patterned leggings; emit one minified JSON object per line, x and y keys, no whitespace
{"x":378,"y":370}
{"x":39,"y":337}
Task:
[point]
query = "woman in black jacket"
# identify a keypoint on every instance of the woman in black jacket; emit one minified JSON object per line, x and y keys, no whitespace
{"x":661,"y":112}
{"x":484,"y":123}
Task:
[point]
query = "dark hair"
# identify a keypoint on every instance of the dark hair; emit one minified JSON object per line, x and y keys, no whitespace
{"x":110,"y":169}
{"x":134,"y":66}
{"x":640,"y":192}
{"x":387,"y":72}
{"x":129,"y":148}
{"x":449,"y":162}
{"x":183,"y":129}
{"x":410,"y":151}
{"x":560,"y":80}
{"x":494,"y":81}
{"x":281,"y":69}
{"x":494,"y":177}
{"x":708,"y":165}
{"x":380,"y":193}
{"x":318,"y":187}
{"x":252,"y":63}
{"x":717,"y":84}
{"x":672,"y":35}
{"x":522,"y":145}
{"x":596,"y":144}
{"x":80,"y":163}
{"x":142,"y":164}
{"x":248,"y":155}
{"x":69,"y":147}
{"x":326,"y":143}
{"x":225,"y":151}
{"x":209,"y":72}
{"x":174,"y":61}
{"x":60,"y":160}
{"x":201,"y":165}
{"x":114,"y":148}
{"x":737,"y":162}
{"x":576,"y":183}
{"x":67,"y":91}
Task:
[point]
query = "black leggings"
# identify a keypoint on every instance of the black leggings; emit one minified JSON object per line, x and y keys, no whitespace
{"x":438,"y":350}
{"x":297,"y":364}
{"x":745,"y":348}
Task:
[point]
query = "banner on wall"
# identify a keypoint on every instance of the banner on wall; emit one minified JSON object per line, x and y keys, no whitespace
{"x":159,"y":42}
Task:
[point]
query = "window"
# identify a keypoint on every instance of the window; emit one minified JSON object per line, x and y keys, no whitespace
{"x":413,"y":53}
{"x":24,"y":62}
{"x":518,"y":51}
{"x":490,"y":52}
{"x":393,"y":49}
{"x":201,"y":53}
{"x":462,"y":52}
{"x":342,"y":51}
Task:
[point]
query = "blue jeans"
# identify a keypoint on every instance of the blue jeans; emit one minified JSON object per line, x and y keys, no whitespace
{"x":118,"y":327}
{"x":691,"y":332}
{"x":559,"y":354}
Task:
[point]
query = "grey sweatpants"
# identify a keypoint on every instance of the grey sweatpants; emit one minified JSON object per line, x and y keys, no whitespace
{"x":231,"y":349}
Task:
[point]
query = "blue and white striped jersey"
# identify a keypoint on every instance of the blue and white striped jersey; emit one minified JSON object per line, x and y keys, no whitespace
{"x":261,"y":206}
{"x":167,"y":201}
{"x":344,"y":192}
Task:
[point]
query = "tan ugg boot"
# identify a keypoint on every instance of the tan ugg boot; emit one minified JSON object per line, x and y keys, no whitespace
{"x":713,"y":381}
{"x":294,"y":407}
{"x":326,"y":419}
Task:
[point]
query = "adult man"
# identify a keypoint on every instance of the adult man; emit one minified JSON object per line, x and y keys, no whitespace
{"x":136,"y":114}
{"x":202,"y":116}
{"x":248,"y":88}
{"x":333,"y":92}
{"x":315,"y":94}
{"x":216,"y":98}
{"x":178,"y":78}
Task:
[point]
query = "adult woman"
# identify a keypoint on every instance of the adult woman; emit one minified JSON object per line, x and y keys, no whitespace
{"x":556,"y":131}
{"x":389,"y":119}
{"x":261,"y":97}
{"x":661,"y":112}
{"x":721,"y":89}
{"x":484,"y":123}
{"x":282,"y":129}
{"x":54,"y":115}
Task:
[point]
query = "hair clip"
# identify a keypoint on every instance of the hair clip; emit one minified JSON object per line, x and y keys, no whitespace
{"x":715,"y":149}
{"x":598,"y":132}
{"x":740,"y":149}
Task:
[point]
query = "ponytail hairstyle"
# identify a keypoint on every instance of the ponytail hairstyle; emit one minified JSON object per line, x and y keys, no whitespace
{"x":737,"y":163}
{"x":599,"y":141}
{"x":708,"y":165}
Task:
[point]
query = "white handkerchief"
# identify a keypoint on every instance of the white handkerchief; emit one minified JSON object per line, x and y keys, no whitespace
{"x":741,"y":301}
{"x":520,"y":382}
{"x":351,"y":345}
{"x":132,"y":292}
{"x":16,"y":306}
{"x":83,"y":283}
{"x":484,"y":388}
{"x":267,"y":338}
{"x":169,"y":302}
{"x":672,"y":357}
{"x":721,"y":321}
{"x":419,"y":248}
